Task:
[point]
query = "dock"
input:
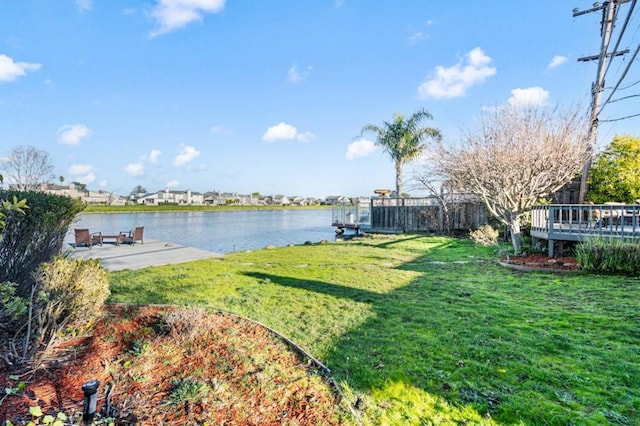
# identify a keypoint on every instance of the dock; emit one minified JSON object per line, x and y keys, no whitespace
{"x":137,"y":256}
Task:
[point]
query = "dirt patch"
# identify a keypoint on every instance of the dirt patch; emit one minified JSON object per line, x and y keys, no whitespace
{"x":541,"y":262}
{"x":164,"y":365}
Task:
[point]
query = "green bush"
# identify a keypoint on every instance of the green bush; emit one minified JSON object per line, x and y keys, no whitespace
{"x":34,"y":236}
{"x":609,"y":255}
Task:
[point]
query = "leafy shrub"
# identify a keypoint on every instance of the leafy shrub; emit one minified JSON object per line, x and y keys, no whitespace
{"x":485,"y":236}
{"x":66,"y":292}
{"x":11,"y":306}
{"x":528,"y":247}
{"x":33,"y":236}
{"x":7,"y":206}
{"x":188,"y":391}
{"x":609,"y":255}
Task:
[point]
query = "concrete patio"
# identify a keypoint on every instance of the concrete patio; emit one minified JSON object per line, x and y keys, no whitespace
{"x":137,"y":256}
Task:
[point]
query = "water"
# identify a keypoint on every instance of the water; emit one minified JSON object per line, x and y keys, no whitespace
{"x":218,"y":231}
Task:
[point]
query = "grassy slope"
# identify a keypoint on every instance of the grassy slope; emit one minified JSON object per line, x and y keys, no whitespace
{"x":413,"y":335}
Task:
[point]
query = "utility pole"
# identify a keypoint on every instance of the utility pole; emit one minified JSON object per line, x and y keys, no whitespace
{"x":608,"y":17}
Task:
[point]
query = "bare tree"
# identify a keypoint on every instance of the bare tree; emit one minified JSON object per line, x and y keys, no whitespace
{"x":516,"y":157}
{"x":434,"y":181}
{"x":26,"y":167}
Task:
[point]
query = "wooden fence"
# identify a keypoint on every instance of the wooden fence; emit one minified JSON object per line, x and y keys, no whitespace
{"x":425,"y":215}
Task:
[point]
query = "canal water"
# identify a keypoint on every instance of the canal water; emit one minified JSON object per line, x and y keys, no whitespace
{"x":218,"y":231}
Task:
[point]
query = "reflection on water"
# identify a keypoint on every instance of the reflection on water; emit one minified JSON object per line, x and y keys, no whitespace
{"x":218,"y":231}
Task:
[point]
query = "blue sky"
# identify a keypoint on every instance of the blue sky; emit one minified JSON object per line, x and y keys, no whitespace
{"x":270,"y":96}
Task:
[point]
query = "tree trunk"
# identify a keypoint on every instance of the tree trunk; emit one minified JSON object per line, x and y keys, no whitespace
{"x":516,"y":237}
{"x":398,"y":179}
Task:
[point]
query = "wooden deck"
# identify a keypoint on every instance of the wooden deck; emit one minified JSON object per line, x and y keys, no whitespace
{"x":576,"y":222}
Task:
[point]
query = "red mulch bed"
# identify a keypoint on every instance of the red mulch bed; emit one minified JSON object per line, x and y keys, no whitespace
{"x":542,"y":262}
{"x":142,"y":354}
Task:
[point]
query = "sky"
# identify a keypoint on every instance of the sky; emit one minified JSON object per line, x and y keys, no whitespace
{"x":271,"y":96}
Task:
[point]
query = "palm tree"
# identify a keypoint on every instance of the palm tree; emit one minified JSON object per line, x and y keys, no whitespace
{"x":403,"y":139}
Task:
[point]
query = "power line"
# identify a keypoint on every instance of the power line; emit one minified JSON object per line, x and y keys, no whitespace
{"x":624,"y":74}
{"x":619,"y":119}
{"x":622,"y":99}
{"x":629,"y":85}
{"x":624,"y":28}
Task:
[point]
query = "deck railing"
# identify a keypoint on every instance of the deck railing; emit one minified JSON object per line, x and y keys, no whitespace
{"x":351,"y":215}
{"x":575,"y":222}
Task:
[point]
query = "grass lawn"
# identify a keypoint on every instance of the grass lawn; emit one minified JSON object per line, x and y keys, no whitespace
{"x":421,"y":330}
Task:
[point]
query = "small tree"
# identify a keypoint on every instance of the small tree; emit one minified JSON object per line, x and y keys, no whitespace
{"x":514,"y":158}
{"x":139,"y":189}
{"x":615,"y":174}
{"x":403,"y":139}
{"x":26,"y":167}
{"x":80,"y":186}
{"x":431,"y":179}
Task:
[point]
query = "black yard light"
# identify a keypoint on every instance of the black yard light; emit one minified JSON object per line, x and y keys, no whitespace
{"x":89,"y":404}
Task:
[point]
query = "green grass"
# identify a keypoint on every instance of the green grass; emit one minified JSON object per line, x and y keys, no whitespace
{"x":422,"y":330}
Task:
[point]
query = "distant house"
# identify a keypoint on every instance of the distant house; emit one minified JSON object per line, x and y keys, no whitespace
{"x":336,"y":199}
{"x":64,"y":190}
{"x":104,"y":197}
{"x":281,"y":200}
{"x":224,"y":198}
{"x":360,"y":200}
{"x":171,"y":197}
{"x":298,"y":201}
{"x":265,"y":200}
{"x":89,"y":197}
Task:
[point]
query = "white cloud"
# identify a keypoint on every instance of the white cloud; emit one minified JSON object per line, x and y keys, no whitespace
{"x":86,"y":179}
{"x":295,"y":75}
{"x":82,"y":173}
{"x":134,"y":169}
{"x":283,"y":131}
{"x":532,"y":96}
{"x":187,"y":154}
{"x":556,"y":61}
{"x":305,"y":137}
{"x":80,"y":169}
{"x":360,"y":148}
{"x":153,"y":155}
{"x":103,"y":184}
{"x":416,"y":37}
{"x":72,"y":134}
{"x":10,"y":70}
{"x":173,"y":14}
{"x":454,"y":81}
{"x":220,"y":129}
{"x":84,"y":5}
{"x":173,"y":184}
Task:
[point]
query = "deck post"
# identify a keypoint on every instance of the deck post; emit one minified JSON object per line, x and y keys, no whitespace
{"x":550,"y":248}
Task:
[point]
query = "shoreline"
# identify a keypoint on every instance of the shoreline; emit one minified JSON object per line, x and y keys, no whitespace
{"x":174,"y":208}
